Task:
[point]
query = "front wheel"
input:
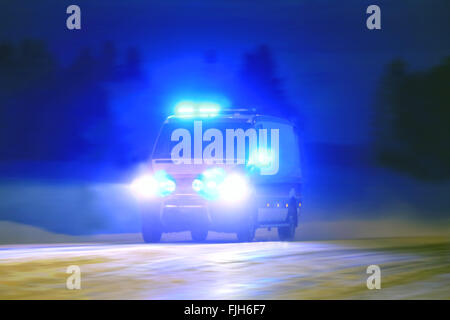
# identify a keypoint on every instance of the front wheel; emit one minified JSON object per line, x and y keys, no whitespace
{"x":246,"y":231}
{"x":151,"y":227}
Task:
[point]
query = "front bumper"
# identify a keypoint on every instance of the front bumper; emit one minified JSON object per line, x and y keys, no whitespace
{"x":184,"y":212}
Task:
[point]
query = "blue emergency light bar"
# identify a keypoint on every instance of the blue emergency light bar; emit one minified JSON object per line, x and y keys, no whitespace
{"x":189,"y":108}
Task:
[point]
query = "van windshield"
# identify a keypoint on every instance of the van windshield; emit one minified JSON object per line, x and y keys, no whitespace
{"x":164,"y":144}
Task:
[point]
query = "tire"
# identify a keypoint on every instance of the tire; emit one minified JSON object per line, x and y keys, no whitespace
{"x":199,"y":235}
{"x":288,"y":233}
{"x":246,"y":231}
{"x":151,"y":227}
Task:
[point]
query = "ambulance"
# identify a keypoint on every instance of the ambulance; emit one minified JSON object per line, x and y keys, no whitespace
{"x":225,"y":170}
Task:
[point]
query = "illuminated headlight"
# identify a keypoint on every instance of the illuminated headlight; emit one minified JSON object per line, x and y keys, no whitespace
{"x":166,"y":187}
{"x":197,"y":185}
{"x":234,"y":188}
{"x":215,"y":184}
{"x":144,"y":187}
{"x":148,"y":186}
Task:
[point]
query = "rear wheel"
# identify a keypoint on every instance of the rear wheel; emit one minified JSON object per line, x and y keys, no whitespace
{"x":288,"y":233}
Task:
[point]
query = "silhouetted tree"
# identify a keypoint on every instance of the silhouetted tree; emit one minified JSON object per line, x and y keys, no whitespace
{"x":48,"y":112}
{"x":83,"y":69}
{"x":107,"y":62}
{"x":27,"y":74}
{"x":259,"y":86}
{"x":133,"y":63}
{"x":412,"y":126}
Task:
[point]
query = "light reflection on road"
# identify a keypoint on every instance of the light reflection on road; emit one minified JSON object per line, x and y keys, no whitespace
{"x":259,"y":270}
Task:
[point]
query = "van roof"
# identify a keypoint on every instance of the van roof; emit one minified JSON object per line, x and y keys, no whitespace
{"x":234,"y":115}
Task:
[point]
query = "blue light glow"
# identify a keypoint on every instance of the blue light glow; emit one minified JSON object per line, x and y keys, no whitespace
{"x":215,"y":184}
{"x":166,"y":184}
{"x":209,"y":108}
{"x":261,"y":158}
{"x":197,"y":185}
{"x":202,"y":109}
{"x":210,"y":179}
{"x":185,"y":107}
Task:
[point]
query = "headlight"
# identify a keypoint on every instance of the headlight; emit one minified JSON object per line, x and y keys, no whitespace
{"x":197,"y":185}
{"x":148,"y":186}
{"x":166,"y":187}
{"x":234,"y":188}
{"x":215,"y":184}
{"x":144,"y":186}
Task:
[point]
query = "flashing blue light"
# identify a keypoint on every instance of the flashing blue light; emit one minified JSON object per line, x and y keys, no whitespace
{"x":209,"y":107}
{"x":185,"y":108}
{"x":202,"y":109}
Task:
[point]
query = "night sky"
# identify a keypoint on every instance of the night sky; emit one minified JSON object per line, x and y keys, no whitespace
{"x":328,"y":60}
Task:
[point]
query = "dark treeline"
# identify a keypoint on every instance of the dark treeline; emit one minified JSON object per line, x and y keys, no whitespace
{"x":259,"y":86}
{"x":50,"y":112}
{"x":412,"y":121}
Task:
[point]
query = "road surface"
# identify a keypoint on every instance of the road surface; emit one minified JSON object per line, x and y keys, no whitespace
{"x":410,"y":269}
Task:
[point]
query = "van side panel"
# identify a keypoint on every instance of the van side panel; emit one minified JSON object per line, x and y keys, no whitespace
{"x":276,"y":193}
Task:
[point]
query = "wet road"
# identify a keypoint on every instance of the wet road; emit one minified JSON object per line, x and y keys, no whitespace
{"x":410,"y":269}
